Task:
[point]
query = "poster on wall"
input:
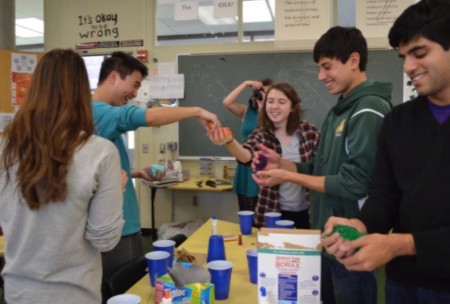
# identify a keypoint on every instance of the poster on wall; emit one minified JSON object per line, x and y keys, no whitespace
{"x":375,"y":18}
{"x":185,"y":10}
{"x":100,"y":25}
{"x":166,"y":86}
{"x":22,"y":67}
{"x":301,"y":22}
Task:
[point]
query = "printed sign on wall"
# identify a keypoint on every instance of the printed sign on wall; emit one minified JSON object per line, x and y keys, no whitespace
{"x":301,"y":19}
{"x":375,"y":17}
{"x":100,"y":24}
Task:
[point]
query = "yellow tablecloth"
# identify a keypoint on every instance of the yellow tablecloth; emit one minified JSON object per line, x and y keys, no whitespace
{"x":2,"y":245}
{"x":241,"y":290}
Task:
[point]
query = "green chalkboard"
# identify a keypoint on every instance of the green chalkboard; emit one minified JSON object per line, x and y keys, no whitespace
{"x":209,"y":78}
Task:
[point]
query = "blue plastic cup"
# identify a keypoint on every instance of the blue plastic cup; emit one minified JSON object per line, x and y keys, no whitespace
{"x":246,"y":221}
{"x":157,"y":263}
{"x":124,"y":299}
{"x":287,"y":224}
{"x":165,"y":245}
{"x":252,"y":260}
{"x":216,"y":248}
{"x":221,"y":277}
{"x":270,"y":218}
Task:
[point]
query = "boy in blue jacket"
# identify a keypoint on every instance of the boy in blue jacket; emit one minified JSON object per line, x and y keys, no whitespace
{"x":120,"y":78}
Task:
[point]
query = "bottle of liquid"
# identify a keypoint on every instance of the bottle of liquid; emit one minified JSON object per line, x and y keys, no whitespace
{"x":180,"y":174}
{"x":214,"y":225}
{"x":167,"y":299}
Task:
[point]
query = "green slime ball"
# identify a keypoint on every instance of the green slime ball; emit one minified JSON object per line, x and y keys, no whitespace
{"x":347,"y":232}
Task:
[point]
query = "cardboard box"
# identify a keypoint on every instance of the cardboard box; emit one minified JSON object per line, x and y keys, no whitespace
{"x":196,"y":293}
{"x":289,"y":265}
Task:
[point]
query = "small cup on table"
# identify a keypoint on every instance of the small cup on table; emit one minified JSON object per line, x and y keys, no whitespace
{"x":252,"y":261}
{"x":216,"y":248}
{"x":270,"y":218}
{"x":124,"y":299}
{"x":220,"y":271}
{"x":246,"y":221}
{"x":165,"y":245}
{"x":287,"y":224}
{"x":157,"y":263}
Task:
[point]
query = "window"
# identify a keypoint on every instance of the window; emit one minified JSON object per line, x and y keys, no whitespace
{"x":258,"y":20}
{"x":257,"y":23}
{"x":204,"y":29}
{"x":93,"y":64}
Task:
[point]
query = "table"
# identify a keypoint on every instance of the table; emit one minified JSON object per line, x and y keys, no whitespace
{"x":241,"y":290}
{"x":2,"y":245}
{"x":190,"y":185}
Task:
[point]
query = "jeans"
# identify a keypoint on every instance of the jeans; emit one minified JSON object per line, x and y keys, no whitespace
{"x":130,"y":247}
{"x":300,"y":218}
{"x":341,"y":286}
{"x":399,"y":294}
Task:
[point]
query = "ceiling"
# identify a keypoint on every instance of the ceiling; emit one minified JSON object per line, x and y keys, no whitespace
{"x":29,"y":9}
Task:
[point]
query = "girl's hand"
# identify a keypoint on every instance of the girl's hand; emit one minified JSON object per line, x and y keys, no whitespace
{"x":221,"y":136}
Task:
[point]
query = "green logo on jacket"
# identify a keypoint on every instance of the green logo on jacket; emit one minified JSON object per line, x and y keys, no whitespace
{"x":340,"y":128}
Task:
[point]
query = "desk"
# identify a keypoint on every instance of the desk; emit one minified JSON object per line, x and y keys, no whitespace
{"x":241,"y":290}
{"x":189,"y":185}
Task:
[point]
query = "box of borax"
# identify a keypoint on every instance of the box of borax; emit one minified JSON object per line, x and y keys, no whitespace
{"x":195,"y":293}
{"x":289,"y":265}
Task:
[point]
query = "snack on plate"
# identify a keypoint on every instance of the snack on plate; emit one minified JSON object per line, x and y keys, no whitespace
{"x":229,"y":236}
{"x":182,"y":255}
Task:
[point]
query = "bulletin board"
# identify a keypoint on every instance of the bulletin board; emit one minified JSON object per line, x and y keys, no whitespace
{"x":5,"y":79}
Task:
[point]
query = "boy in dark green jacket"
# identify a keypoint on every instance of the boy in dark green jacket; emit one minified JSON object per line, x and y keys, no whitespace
{"x":341,"y":174}
{"x":407,"y":213}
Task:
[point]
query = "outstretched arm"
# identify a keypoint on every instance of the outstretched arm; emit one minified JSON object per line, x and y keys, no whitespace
{"x":223,"y":136}
{"x":162,"y":116}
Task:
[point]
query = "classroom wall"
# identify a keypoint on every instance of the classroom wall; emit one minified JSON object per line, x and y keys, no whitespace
{"x":61,"y":28}
{"x":61,"y":21}
{"x":5,"y":82}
